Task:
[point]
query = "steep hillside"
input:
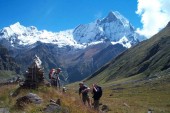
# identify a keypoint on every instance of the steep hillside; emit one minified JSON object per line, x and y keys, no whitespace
{"x":45,"y":51}
{"x":149,"y":59}
{"x":8,"y":66}
{"x":85,"y":62}
{"x":6,"y":61}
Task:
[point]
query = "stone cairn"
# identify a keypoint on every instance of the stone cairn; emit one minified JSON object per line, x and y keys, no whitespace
{"x":35,"y":74}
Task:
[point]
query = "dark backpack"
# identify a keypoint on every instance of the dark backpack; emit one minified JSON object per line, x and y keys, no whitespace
{"x":97,"y":95}
{"x":49,"y":75}
{"x":100,"y":92}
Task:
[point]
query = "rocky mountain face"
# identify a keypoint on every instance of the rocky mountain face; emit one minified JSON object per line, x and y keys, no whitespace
{"x":148,"y":59}
{"x":7,"y":62}
{"x":87,"y":61}
{"x":79,"y":52}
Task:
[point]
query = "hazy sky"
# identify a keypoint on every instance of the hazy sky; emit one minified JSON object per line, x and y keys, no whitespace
{"x":57,"y":15}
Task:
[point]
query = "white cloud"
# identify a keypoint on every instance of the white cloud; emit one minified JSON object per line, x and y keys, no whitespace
{"x":155,"y":14}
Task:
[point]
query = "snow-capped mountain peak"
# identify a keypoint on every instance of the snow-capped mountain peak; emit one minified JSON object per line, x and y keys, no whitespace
{"x":17,"y":28}
{"x":114,"y":28}
{"x":110,"y":17}
{"x":115,"y":16}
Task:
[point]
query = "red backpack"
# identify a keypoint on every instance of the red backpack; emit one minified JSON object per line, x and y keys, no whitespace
{"x":51,"y":73}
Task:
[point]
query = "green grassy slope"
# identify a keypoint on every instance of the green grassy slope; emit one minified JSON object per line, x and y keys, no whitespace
{"x":147,"y":59}
{"x":133,"y":95}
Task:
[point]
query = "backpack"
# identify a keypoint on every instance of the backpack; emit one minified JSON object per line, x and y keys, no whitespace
{"x":97,"y":95}
{"x":100,"y":92}
{"x":51,"y":73}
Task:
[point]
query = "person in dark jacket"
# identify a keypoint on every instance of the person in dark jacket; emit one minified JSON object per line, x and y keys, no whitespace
{"x":83,"y":92}
{"x":57,"y":79}
{"x":51,"y":76}
{"x":97,"y":93}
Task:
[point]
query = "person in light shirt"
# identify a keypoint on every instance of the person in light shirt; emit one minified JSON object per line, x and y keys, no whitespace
{"x":83,"y":92}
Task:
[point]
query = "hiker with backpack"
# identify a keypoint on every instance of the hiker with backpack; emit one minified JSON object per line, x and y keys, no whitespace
{"x":97,"y":93}
{"x":83,"y":92}
{"x":51,"y":76}
{"x":56,"y":76}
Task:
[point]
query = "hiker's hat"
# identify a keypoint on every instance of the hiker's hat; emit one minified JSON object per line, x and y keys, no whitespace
{"x":81,"y":83}
{"x":58,"y":70}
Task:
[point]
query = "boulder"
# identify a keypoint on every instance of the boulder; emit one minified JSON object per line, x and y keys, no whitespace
{"x":34,"y":98}
{"x":53,"y":108}
{"x":22,"y":101}
{"x":4,"y":110}
{"x":29,"y":98}
{"x":56,"y":102}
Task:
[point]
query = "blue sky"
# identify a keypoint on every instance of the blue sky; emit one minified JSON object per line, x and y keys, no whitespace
{"x":57,"y":15}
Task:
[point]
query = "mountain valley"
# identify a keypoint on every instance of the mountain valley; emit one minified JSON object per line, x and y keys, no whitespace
{"x":79,"y":52}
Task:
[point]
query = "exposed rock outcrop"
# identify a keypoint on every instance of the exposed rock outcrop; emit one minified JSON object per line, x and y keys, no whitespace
{"x":34,"y":75}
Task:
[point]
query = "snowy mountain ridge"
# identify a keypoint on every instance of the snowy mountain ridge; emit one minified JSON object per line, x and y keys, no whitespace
{"x":18,"y":34}
{"x":114,"y":28}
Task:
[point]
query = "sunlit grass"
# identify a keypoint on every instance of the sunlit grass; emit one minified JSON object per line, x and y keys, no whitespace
{"x":132,"y":97}
{"x":138,"y":97}
{"x":68,"y":102}
{"x":123,"y":96}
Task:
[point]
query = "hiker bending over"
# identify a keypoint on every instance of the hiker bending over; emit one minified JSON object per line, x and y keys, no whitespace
{"x":97,"y":93}
{"x":57,"y":79}
{"x":83,"y":92}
